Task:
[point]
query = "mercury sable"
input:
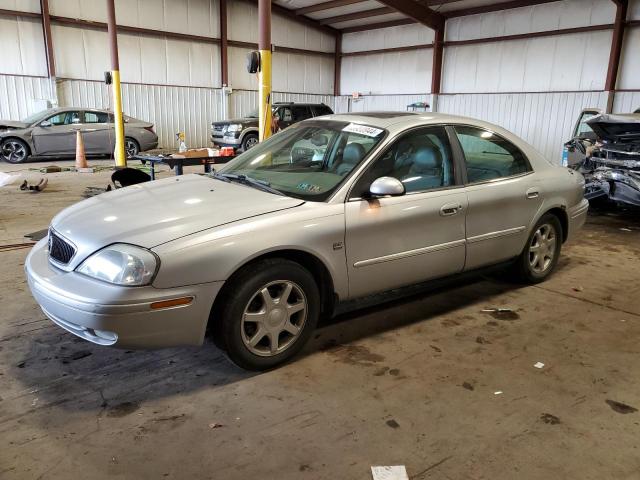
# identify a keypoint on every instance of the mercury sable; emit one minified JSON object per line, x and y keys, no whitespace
{"x":333,"y":208}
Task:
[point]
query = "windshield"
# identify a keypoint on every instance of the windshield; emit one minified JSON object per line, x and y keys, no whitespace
{"x":35,"y":117}
{"x":308,"y":160}
{"x":583,"y":128}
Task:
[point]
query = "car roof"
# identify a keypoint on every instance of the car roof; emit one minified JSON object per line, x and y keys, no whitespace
{"x":402,"y":120}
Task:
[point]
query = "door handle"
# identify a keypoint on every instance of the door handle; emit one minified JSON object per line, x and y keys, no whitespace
{"x":450,"y":209}
{"x":533,"y":193}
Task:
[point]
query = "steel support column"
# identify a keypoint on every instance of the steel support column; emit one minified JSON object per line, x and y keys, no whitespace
{"x":224,"y":59}
{"x":264,"y":88}
{"x":436,"y":70}
{"x":120,"y":156}
{"x":337,"y":66}
{"x":48,"y":39}
{"x":616,"y":50}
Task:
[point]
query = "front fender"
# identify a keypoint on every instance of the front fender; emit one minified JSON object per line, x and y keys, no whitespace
{"x":215,"y":255}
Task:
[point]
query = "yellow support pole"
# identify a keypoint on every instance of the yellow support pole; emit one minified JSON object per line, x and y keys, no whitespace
{"x":264,"y":94}
{"x":120,"y":154}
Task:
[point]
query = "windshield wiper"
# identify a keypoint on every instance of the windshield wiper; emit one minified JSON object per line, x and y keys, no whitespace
{"x":245,"y":180}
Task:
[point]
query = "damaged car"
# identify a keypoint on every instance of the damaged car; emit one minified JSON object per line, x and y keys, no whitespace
{"x":606,"y":150}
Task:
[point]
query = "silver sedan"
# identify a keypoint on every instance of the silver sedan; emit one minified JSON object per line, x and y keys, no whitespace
{"x":331,"y":209}
{"x":52,"y":133}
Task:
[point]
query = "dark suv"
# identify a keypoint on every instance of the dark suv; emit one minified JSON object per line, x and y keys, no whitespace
{"x":242,"y":133}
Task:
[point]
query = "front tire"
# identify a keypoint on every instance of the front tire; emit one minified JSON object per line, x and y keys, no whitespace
{"x":542,"y":251}
{"x":267,"y":313}
{"x":14,"y":150}
{"x":249,"y":141}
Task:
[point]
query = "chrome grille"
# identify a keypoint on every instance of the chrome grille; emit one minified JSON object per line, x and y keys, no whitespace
{"x":60,"y":250}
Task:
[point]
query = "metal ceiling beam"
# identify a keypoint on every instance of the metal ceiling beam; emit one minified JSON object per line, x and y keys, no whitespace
{"x":376,"y":12}
{"x":326,"y":6}
{"x":291,"y":14}
{"x":496,"y":7}
{"x":375,"y":26}
{"x":420,"y":13}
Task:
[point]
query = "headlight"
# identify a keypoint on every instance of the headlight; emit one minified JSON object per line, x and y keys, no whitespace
{"x":121,"y":264}
{"x":234,"y":128}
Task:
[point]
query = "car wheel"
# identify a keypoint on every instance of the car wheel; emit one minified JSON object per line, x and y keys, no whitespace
{"x":250,"y":140}
{"x":269,"y":312}
{"x":14,"y":150}
{"x":541,"y":253}
{"x":131,"y":147}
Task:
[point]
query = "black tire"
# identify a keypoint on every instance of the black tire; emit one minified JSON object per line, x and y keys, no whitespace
{"x":131,"y":147}
{"x":237,"y":297}
{"x":523,"y":269}
{"x":250,"y":140}
{"x":14,"y":150}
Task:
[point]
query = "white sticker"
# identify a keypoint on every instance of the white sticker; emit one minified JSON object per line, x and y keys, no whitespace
{"x":396,"y":472}
{"x":362,"y":130}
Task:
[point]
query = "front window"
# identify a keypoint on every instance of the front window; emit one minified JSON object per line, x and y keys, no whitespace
{"x":64,"y":118}
{"x":309,"y":160}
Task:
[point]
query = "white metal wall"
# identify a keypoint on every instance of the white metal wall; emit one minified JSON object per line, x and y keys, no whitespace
{"x":170,"y":109}
{"x":22,"y":44}
{"x":391,"y":73}
{"x":21,"y":96}
{"x":545,"y":120}
{"x":372,"y":103}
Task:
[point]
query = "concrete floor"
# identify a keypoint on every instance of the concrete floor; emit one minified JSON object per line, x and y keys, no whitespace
{"x":413,"y":382}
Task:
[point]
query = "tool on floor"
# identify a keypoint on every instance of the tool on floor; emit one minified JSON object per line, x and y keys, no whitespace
{"x":38,"y":187}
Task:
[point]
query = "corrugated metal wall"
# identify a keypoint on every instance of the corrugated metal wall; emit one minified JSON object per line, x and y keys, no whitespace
{"x":545,"y":120}
{"x":369,"y":103}
{"x":21,"y":96}
{"x":170,"y":109}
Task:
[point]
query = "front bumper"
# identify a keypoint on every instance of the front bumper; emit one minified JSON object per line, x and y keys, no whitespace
{"x":112,"y":315}
{"x":577,"y":216}
{"x":226,"y":141}
{"x":618,"y":185}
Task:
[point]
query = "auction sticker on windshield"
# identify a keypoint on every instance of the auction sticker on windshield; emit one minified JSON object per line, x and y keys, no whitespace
{"x":362,"y":130}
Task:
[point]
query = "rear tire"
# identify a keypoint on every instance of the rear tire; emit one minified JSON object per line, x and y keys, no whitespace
{"x":131,"y":147}
{"x":14,"y":150}
{"x":249,"y":141}
{"x":542,"y":251}
{"x":267,"y":313}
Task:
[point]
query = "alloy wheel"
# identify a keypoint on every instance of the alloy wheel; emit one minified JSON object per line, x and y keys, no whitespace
{"x":274,"y":318}
{"x":130,"y":148}
{"x":542,"y":249}
{"x":13,"y":151}
{"x":251,"y":142}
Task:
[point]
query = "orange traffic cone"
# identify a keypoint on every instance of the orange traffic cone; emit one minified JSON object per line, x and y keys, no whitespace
{"x":81,"y":158}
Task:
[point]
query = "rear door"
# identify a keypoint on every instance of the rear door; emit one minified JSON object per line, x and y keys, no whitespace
{"x":97,"y":132}
{"x":503,"y":194}
{"x":59,"y":136}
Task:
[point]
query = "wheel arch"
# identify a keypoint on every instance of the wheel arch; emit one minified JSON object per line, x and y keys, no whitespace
{"x":23,"y":140}
{"x":308,"y":260}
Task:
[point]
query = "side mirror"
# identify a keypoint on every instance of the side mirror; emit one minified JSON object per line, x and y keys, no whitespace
{"x":386,"y":187}
{"x":45,"y":123}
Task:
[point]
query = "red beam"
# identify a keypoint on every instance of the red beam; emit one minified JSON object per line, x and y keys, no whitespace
{"x":325,"y":6}
{"x":375,"y":26}
{"x":18,"y":13}
{"x":48,"y":39}
{"x":436,"y":70}
{"x":224,"y":57}
{"x":407,"y":48}
{"x":357,"y":15}
{"x":616,"y":45}
{"x":496,"y":7}
{"x":337,"y":65}
{"x":418,"y":12}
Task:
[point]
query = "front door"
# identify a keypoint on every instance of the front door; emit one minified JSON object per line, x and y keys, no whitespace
{"x":504,"y":196}
{"x":58,"y":135}
{"x":396,"y":241}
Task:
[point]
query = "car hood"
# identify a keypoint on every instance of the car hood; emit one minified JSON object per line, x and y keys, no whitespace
{"x":11,"y":125}
{"x":152,"y":213}
{"x":616,"y":128}
{"x":245,"y":120}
